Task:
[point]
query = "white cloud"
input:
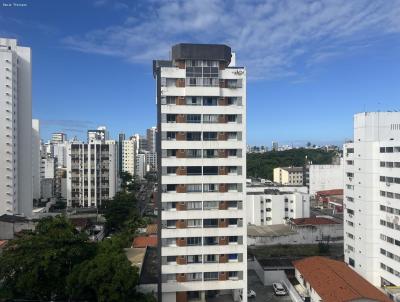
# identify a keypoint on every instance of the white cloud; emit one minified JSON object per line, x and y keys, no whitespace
{"x":270,"y":37}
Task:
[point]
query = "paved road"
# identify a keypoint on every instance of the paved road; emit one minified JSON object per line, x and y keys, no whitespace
{"x":264,"y":293}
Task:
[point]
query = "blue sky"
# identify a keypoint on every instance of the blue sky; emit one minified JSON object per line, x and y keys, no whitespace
{"x":311,"y":64}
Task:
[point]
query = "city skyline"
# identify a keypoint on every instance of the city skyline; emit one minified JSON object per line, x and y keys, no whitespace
{"x":97,"y":70}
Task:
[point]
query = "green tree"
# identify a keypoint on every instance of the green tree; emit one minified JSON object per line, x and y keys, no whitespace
{"x":119,"y":210}
{"x":35,"y":266}
{"x":109,"y":276}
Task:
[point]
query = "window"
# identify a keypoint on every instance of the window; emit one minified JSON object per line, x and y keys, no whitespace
{"x":233,"y":257}
{"x":211,"y":258}
{"x":194,"y":241}
{"x":193,"y":153}
{"x":210,"y":223}
{"x":193,"y":136}
{"x":210,"y":118}
{"x":212,"y":170}
{"x":209,"y":136}
{"x":194,"y":223}
{"x":171,"y":170}
{"x":193,"y":101}
{"x":193,"y":170}
{"x":193,"y":205}
{"x":208,"y":276}
{"x":232,"y":152}
{"x":233,"y":275}
{"x":233,"y":239}
{"x":193,"y":188}
{"x":211,"y":205}
{"x":210,"y":241}
{"x":171,"y":118}
{"x":210,"y":188}
{"x":171,"y":135}
{"x":210,"y":101}
{"x":351,"y":262}
{"x":193,"y":118}
{"x":194,"y":259}
{"x":210,"y":153}
{"x":171,"y":152}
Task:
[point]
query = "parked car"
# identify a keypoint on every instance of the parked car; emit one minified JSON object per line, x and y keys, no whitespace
{"x":279,"y":290}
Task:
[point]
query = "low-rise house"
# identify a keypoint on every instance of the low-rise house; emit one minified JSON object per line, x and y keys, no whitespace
{"x":324,"y":279}
{"x":297,"y":231}
{"x":10,"y":225}
{"x":144,"y":241}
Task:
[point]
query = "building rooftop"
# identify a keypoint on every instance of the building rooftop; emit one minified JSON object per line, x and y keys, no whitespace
{"x":214,"y":52}
{"x":151,"y":229}
{"x":312,"y":221}
{"x":332,"y":192}
{"x":269,"y":230}
{"x":145,"y":241}
{"x":135,"y":256}
{"x":293,"y":169}
{"x":334,"y":281}
{"x":12,"y":218}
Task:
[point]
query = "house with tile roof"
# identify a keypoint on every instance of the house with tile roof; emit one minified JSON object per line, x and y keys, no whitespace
{"x":324,"y":279}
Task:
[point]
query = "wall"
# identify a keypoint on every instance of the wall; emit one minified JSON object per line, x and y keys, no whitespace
{"x":326,"y":177}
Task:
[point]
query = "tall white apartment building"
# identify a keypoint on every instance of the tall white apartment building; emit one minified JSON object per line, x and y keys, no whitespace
{"x":91,"y":173}
{"x":151,"y":139}
{"x":129,"y":155}
{"x":36,"y":159}
{"x":201,"y":101}
{"x":372,"y":198}
{"x":15,"y":128}
{"x":58,"y":138}
{"x":268,"y":205}
{"x":141,"y":167}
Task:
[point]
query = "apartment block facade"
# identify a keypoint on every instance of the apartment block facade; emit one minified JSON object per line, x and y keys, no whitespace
{"x":16,"y":191}
{"x":91,"y":173}
{"x":128,"y":160}
{"x":289,"y":175}
{"x":269,"y":205}
{"x":372,"y":198}
{"x":201,"y":147}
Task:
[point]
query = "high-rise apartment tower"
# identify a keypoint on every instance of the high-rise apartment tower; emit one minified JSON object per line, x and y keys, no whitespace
{"x":201,"y":147}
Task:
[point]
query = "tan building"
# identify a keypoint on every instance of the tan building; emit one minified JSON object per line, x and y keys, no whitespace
{"x":289,"y":175}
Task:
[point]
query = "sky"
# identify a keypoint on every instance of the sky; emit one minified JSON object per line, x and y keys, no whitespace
{"x":311,"y":65}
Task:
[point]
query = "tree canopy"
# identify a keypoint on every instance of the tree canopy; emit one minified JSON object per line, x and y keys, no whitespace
{"x":262,"y":164}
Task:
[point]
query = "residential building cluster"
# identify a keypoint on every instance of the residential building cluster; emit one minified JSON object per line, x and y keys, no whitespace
{"x":208,"y":213}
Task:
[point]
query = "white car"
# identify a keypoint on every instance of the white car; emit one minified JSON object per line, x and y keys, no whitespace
{"x":251,"y":293}
{"x":279,"y":290}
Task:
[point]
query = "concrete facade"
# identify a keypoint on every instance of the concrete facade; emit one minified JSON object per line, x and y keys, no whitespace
{"x":16,"y":193}
{"x":325,"y":177}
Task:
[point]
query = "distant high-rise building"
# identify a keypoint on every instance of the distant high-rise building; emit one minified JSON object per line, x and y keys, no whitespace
{"x":275,"y":146}
{"x":36,"y":159}
{"x":141,"y":166}
{"x":99,"y":134}
{"x":58,"y":138}
{"x":91,"y":173}
{"x":201,"y":109}
{"x":16,"y":192}
{"x":151,"y":139}
{"x":372,"y":198}
{"x":129,"y":156}
{"x":121,"y":138}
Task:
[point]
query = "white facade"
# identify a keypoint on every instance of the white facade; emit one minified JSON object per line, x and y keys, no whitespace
{"x":268,"y":205}
{"x":289,"y":175}
{"x":91,"y":173}
{"x":325,"y":177}
{"x":372,"y":197}
{"x":202,"y":164}
{"x":58,"y":138}
{"x":48,"y":167}
{"x":129,"y":155}
{"x":141,"y":166}
{"x":15,"y":128}
{"x":36,"y":159}
{"x":60,"y":152}
{"x":151,"y":139}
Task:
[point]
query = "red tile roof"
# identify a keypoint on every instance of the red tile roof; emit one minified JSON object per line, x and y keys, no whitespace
{"x":330,"y":192}
{"x":334,"y":281}
{"x":144,"y":241}
{"x":313,"y":221}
